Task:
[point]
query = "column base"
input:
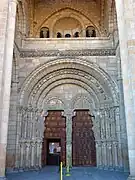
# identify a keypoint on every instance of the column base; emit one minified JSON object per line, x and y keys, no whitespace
{"x":131,"y":178}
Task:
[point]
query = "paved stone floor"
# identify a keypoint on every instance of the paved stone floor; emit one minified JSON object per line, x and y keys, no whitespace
{"x":51,"y":173}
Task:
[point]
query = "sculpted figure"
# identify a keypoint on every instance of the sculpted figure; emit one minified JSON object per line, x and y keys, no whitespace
{"x":90,"y":32}
{"x":76,"y":34}
{"x":59,"y":35}
{"x":44,"y":33}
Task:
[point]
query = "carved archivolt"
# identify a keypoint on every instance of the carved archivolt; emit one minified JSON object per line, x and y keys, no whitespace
{"x":88,"y":73}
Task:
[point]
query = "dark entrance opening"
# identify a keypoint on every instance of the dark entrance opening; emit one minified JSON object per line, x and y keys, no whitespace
{"x":53,"y":152}
{"x":83,"y":149}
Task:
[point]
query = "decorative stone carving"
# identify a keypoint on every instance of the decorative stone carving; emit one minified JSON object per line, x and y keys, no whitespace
{"x":61,"y":63}
{"x":67,"y":53}
{"x":43,"y":83}
{"x":104,"y":126}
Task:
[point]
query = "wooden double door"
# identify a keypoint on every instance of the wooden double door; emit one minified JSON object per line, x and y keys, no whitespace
{"x":83,"y":145}
{"x":83,"y":141}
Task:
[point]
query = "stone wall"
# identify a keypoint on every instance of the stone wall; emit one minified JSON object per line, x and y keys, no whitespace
{"x":30,"y":62}
{"x":91,"y":65}
{"x":29,"y":23}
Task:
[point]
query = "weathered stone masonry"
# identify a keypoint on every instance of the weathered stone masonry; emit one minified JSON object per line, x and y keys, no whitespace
{"x":96,"y":70}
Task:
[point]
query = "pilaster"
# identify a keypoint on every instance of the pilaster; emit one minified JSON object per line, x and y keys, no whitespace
{"x":126,"y":24}
{"x":7,"y":21}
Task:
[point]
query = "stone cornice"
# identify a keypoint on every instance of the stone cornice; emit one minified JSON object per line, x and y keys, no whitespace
{"x":85,"y":52}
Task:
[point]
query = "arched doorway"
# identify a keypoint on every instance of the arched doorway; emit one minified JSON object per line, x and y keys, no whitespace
{"x":54,"y":136}
{"x":84,"y":80}
{"x":83,"y":147}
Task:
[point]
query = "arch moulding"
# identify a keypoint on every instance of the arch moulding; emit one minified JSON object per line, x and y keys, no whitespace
{"x":92,"y":69}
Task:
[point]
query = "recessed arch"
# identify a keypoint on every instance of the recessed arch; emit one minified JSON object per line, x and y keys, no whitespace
{"x":56,"y":15}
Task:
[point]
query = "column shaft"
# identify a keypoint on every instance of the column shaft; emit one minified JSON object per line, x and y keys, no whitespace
{"x":69,"y":140}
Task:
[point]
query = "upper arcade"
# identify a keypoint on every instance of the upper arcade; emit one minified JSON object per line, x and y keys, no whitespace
{"x":65,"y":18}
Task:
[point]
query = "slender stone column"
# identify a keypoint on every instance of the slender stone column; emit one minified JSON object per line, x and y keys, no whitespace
{"x":8,"y":25}
{"x":69,"y":115}
{"x":21,"y":155}
{"x":126,"y":26}
{"x":18,"y":135}
{"x":27,"y":163}
{"x":39,"y":152}
{"x":115,"y":154}
{"x":32,"y":155}
{"x":99,"y":154}
{"x":97,"y":133}
{"x":41,"y":129}
{"x":104,"y":155}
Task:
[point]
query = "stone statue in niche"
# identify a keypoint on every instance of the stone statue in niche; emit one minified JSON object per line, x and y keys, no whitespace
{"x":76,"y":34}
{"x":90,"y":32}
{"x":44,"y":32}
{"x":59,"y":35}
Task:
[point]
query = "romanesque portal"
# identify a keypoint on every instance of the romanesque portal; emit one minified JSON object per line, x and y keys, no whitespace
{"x":72,"y":67}
{"x":76,"y":102}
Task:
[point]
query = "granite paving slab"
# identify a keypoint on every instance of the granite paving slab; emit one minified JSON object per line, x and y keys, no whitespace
{"x":78,"y":173}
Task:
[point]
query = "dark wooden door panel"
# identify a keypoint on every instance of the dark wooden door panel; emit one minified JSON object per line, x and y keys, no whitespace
{"x":84,"y":151}
{"x":55,"y":128}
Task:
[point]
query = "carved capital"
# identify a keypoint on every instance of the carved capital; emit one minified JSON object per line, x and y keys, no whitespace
{"x":33,"y":144}
{"x":69,"y":113}
{"x":43,"y":113}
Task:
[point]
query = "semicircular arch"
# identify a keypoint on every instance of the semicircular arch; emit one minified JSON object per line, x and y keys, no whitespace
{"x":80,"y":64}
{"x":42,"y":99}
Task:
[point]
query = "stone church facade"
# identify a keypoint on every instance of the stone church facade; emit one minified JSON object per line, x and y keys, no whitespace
{"x":67,"y":72}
